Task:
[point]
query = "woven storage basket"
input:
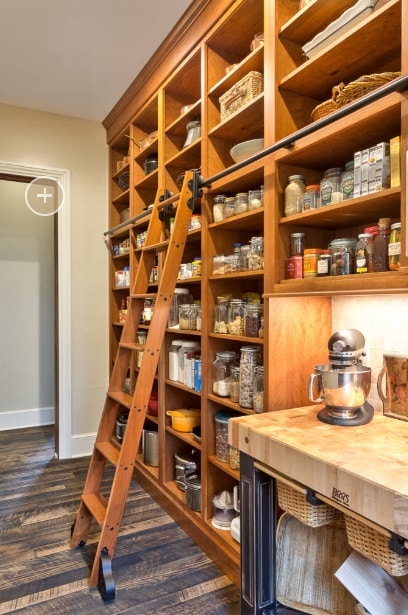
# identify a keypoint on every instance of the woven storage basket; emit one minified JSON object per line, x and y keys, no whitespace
{"x":374,"y":546}
{"x":344,"y":94}
{"x":360,"y":610}
{"x":241,"y":94}
{"x":306,"y":561}
{"x":295,"y":503}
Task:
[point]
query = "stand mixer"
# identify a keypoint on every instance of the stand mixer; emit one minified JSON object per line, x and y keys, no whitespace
{"x":344,"y":383}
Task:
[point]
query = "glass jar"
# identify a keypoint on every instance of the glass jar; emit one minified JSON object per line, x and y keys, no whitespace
{"x":311,"y":197}
{"x":258,"y":389}
{"x":380,"y":245}
{"x":184,"y":315}
{"x":218,"y":264}
{"x":174,"y":359}
{"x":294,"y":192}
{"x":252,"y":320}
{"x":244,"y":257}
{"x":141,"y":338}
{"x":256,"y":255}
{"x":255,"y":199}
{"x":229,"y":206}
{"x":343,"y":256}
{"x":221,"y":436}
{"x":248,"y":362}
{"x":192,"y":316}
{"x":231,"y":263}
{"x":394,"y":247}
{"x":236,"y":315}
{"x":221,"y":316}
{"x":224,"y":360}
{"x":364,"y":253}
{"x":330,"y":187}
{"x":148,"y":311}
{"x":218,"y":207}
{"x":234,"y":384}
{"x":347,"y":181}
{"x":198,"y":318}
{"x":324,"y":263}
{"x":241,"y":203}
{"x":181,"y":296}
{"x":297,"y":244}
{"x":193,"y":132}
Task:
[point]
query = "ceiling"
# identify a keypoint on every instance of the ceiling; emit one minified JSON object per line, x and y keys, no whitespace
{"x":78,"y":57}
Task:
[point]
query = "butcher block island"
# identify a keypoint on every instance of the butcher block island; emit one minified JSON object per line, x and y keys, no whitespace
{"x":361,"y":471}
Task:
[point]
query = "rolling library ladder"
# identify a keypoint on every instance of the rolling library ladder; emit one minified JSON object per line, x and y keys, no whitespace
{"x":93,"y":505}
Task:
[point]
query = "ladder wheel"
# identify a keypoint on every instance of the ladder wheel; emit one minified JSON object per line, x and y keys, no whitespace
{"x":106,"y":583}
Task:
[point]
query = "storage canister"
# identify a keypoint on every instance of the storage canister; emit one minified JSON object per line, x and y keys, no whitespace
{"x":174,"y":359}
{"x":380,"y":245}
{"x":294,"y":192}
{"x":221,"y":315}
{"x":310,"y":258}
{"x":181,"y":296}
{"x":183,"y":350}
{"x":394,"y":247}
{"x":256,"y":255}
{"x":229,"y":206}
{"x":218,"y":264}
{"x":330,"y":187}
{"x":311,"y":197}
{"x":236,"y":316}
{"x":255,"y":199}
{"x":297,"y":244}
{"x":364,"y":253}
{"x":193,"y":129}
{"x":249,"y":360}
{"x":347,"y":181}
{"x":224,"y":360}
{"x":150,"y":446}
{"x":241,"y":203}
{"x":343,"y":256}
{"x":294,"y":267}
{"x":221,"y":435}
{"x":234,"y":389}
{"x":218,"y":207}
{"x":258,"y":389}
{"x":252,"y":319}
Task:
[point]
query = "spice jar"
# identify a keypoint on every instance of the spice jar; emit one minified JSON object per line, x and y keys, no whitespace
{"x":258,"y":390}
{"x":224,"y":360}
{"x":252,"y":319}
{"x":324,"y":263}
{"x":380,"y":245}
{"x":311,"y":197}
{"x":236,"y":315}
{"x":310,"y":258}
{"x":255,"y":199}
{"x":256,"y":255}
{"x":343,"y":256}
{"x":394,"y":247}
{"x":234,"y":390}
{"x":297,"y":244}
{"x":364,"y":253}
{"x":330,"y":187}
{"x":241,"y":203}
{"x":247,"y":364}
{"x":218,"y":207}
{"x":294,"y":192}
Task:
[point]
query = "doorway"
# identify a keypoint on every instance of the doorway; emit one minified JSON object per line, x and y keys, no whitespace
{"x":59,"y":331}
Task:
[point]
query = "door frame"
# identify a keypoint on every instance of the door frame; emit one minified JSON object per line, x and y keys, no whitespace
{"x":63,"y":424}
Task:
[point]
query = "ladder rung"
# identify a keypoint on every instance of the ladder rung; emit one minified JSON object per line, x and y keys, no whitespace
{"x":132,"y":345}
{"x":96,"y":504}
{"x":123,"y":398}
{"x":157,"y":247}
{"x":109,"y":451}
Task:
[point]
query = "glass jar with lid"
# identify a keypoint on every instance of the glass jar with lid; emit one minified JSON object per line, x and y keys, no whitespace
{"x":231,"y":263}
{"x":256,"y":255}
{"x":218,"y":264}
{"x":380,"y":245}
{"x":294,"y":192}
{"x":330,"y":187}
{"x":343,"y":255}
{"x":364,"y":253}
{"x":218,"y":207}
{"x":193,"y":129}
{"x":252,"y":321}
{"x":394,"y":247}
{"x":244,"y":257}
{"x":258,"y":389}
{"x":221,"y":315}
{"x":193,"y":316}
{"x":347,"y":181}
{"x":184,"y":316}
{"x":311,"y":197}
{"x":224,"y":360}
{"x":255,"y":199}
{"x":234,"y":391}
{"x":229,"y":206}
{"x":236,"y":315}
{"x":241,"y":203}
{"x":297,"y":244}
{"x":249,"y":360}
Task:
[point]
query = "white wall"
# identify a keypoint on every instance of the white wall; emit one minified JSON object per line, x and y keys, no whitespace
{"x":43,"y":139}
{"x":26,"y":311}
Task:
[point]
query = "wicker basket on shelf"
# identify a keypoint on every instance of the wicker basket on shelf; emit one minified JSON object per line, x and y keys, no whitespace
{"x":295,"y":503}
{"x":374,"y":546}
{"x":241,"y":94}
{"x":344,"y":94}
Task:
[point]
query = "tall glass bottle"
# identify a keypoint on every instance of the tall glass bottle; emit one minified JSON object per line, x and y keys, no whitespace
{"x":380,"y":245}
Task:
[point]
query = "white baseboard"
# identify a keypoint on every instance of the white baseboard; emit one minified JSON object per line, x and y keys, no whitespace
{"x":82,"y":445}
{"x":32,"y":417}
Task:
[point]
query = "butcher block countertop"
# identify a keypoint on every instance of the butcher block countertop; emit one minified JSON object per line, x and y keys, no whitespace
{"x":363,"y":468}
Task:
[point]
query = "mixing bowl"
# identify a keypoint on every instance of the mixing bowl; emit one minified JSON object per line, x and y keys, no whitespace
{"x":244,"y":150}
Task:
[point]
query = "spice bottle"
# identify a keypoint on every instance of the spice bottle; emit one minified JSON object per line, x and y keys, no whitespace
{"x":380,"y":245}
{"x":364,"y":253}
{"x":394,"y":247}
{"x":324,"y":263}
{"x":294,"y":192}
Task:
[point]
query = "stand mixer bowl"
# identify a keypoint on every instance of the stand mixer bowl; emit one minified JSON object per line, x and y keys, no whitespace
{"x":342,"y":390}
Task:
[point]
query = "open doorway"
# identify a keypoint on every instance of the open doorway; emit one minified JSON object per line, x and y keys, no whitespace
{"x":38,"y":349}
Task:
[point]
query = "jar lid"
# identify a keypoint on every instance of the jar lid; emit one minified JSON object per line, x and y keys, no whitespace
{"x":294,"y":177}
{"x":325,"y":252}
{"x":227,"y":354}
{"x":384,"y":222}
{"x":223,"y":417}
{"x":181,"y":291}
{"x":297,"y":235}
{"x":365,"y":236}
{"x":349,"y":165}
{"x":253,"y":349}
{"x":190,"y":344}
{"x":333,"y":171}
{"x":313,"y":251}
{"x":315,"y":187}
{"x":395,"y":225}
{"x":343,"y":241}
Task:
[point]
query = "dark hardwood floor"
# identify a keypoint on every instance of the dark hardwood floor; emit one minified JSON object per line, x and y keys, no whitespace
{"x":158,"y":569}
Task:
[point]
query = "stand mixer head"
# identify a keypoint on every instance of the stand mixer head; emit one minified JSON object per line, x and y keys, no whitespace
{"x":344,"y":383}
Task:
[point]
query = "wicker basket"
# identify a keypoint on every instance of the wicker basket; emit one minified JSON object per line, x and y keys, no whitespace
{"x":344,"y":94}
{"x":295,"y":503}
{"x":360,"y":610}
{"x":241,"y":94}
{"x":374,"y":546}
{"x":307,"y":582}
